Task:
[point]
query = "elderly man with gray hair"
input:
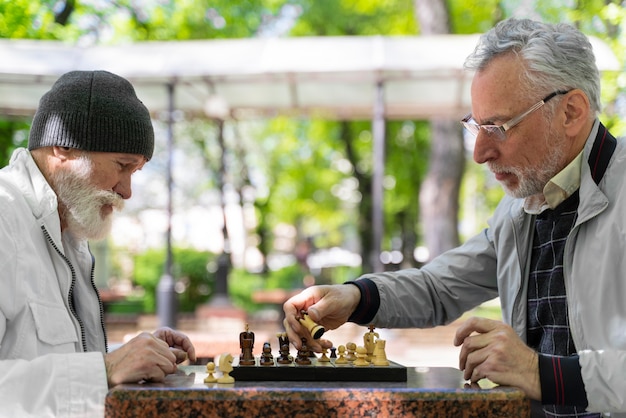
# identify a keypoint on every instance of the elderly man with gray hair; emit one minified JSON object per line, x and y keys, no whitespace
{"x":553,"y":251}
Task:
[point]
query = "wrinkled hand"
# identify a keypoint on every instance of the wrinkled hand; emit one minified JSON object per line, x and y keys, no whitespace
{"x":148,"y":357}
{"x":491,"y":349}
{"x":329,"y":306}
{"x":178,"y":342}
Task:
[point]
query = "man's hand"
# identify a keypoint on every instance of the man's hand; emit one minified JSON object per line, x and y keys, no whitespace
{"x":179,"y":343}
{"x":148,"y":357}
{"x":491,"y":349}
{"x":329,"y":306}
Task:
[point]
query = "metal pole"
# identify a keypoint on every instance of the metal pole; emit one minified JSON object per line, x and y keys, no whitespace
{"x":166,"y":294}
{"x":378,"y":129}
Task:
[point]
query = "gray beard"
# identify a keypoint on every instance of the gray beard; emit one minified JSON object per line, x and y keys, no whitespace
{"x":81,"y":203}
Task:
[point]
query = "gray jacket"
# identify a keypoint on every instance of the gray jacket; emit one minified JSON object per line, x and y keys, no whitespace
{"x":496,"y":263}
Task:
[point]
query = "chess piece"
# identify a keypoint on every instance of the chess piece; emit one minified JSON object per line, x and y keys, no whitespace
{"x":246,"y":343}
{"x":324,"y":358}
{"x":342,"y":355}
{"x":267,"y":359}
{"x":380,"y":357}
{"x":333,"y":352}
{"x":316,"y":330}
{"x":369,"y":341}
{"x":303,"y":354}
{"x":210,"y":369}
{"x":351,"y":348}
{"x":283,"y":349}
{"x":361,"y":357}
{"x":226,"y":366}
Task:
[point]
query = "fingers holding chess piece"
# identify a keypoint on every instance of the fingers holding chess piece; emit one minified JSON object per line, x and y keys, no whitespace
{"x":316,"y":330}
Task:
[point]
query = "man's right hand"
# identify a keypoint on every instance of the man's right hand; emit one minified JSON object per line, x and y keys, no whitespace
{"x":145,"y":357}
{"x":327,"y":305}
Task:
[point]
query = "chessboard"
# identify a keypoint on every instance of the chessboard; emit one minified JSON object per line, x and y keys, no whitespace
{"x":347,"y":363}
{"x":320,"y":371}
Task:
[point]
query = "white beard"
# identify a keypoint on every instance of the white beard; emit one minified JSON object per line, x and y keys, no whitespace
{"x":82,"y":203}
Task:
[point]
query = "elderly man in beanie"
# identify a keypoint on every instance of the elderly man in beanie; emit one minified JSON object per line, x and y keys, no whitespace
{"x":89,"y":135}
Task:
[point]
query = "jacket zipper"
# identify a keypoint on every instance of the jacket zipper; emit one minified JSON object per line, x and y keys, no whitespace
{"x":95,"y":289}
{"x":70,"y":300}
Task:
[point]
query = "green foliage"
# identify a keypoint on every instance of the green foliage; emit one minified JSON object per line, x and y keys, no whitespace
{"x":408,"y":144}
{"x":194,"y":283}
{"x":355,"y":17}
{"x":242,"y":284}
{"x":13,"y":134}
{"x":290,"y":277}
{"x":25,"y":19}
{"x":301,"y":167}
{"x":477,"y":18}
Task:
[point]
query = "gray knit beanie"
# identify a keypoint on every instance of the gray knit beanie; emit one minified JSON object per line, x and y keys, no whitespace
{"x":93,"y":111}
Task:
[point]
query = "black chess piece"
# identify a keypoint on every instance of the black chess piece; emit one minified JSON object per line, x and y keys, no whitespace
{"x":303,"y":354}
{"x":267,"y":359}
{"x":246,"y":342}
{"x":284,"y":357}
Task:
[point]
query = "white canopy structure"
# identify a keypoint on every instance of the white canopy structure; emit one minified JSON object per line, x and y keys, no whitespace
{"x":335,"y":77}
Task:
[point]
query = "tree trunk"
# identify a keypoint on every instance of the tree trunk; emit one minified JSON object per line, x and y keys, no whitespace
{"x":365,"y":207}
{"x":439,"y":194}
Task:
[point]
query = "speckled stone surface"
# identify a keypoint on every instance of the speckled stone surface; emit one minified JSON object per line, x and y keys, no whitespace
{"x":428,"y":392}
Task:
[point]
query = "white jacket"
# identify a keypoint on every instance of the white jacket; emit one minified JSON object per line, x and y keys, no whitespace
{"x":496,"y":263}
{"x":51,"y":362}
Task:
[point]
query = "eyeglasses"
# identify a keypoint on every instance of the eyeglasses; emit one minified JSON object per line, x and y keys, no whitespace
{"x":498,"y":131}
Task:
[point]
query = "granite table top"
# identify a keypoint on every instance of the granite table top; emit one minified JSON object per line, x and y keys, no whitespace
{"x":428,"y":392}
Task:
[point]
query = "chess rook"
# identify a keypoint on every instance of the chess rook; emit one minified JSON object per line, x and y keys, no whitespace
{"x":316,"y":330}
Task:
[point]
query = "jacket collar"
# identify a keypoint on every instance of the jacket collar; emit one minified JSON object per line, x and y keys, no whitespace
{"x":34,"y":188}
{"x":601,"y":151}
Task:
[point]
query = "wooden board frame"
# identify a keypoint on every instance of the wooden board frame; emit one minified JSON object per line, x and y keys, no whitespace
{"x":321,"y":371}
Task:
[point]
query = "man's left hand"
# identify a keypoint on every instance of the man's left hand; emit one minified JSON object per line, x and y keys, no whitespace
{"x":491,"y":349}
{"x":179,"y":343}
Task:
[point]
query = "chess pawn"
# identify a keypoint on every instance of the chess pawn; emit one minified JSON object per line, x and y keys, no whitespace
{"x":351,"y":348}
{"x":361,"y":357}
{"x":267,"y":359}
{"x":210,"y":369}
{"x":380,"y":357}
{"x":324,"y":358}
{"x":316,"y":330}
{"x":342,"y":358}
